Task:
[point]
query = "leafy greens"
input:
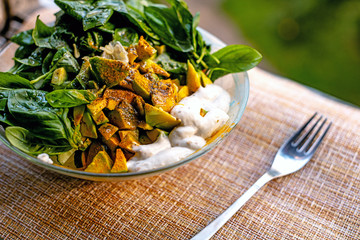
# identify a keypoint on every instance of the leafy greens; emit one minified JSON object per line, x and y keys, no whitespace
{"x":37,"y":110}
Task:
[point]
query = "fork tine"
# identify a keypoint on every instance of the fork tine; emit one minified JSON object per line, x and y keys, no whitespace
{"x":318,"y":140}
{"x":306,"y":134}
{"x":309,"y":140}
{"x":297,"y":133}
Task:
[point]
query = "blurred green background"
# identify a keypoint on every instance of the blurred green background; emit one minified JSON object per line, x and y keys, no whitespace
{"x":314,"y":42}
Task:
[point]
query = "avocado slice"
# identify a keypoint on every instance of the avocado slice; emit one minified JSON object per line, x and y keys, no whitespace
{"x":124,"y":116}
{"x":100,"y":118}
{"x":87,"y":126}
{"x":141,"y":85}
{"x":129,"y":139}
{"x":182,"y":93}
{"x":120,"y":162}
{"x":144,"y":50}
{"x":107,"y":130}
{"x":164,"y":95}
{"x":205,"y":80}
{"x":59,"y":76}
{"x":193,"y":80}
{"x":101,"y":163}
{"x":111,"y":72}
{"x":96,"y":106}
{"x":157,"y":117}
{"x":155,"y":133}
{"x":78,"y":113}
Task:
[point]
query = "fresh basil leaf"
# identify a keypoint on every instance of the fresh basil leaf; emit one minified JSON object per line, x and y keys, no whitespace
{"x":34,"y":60}
{"x":22,"y":139}
{"x":60,"y":37}
{"x":76,"y":9}
{"x":165,"y":24}
{"x":42,"y":33}
{"x":116,"y":5}
{"x":45,"y":67}
{"x":126,"y":36}
{"x":13,"y":81}
{"x":63,"y":58}
{"x":107,"y":28}
{"x":24,"y":51}
{"x":32,"y":111}
{"x":232,"y":59}
{"x":67,"y":98}
{"x":91,"y":42}
{"x":195,"y":23}
{"x":170,"y":65}
{"x":138,"y":19}
{"x":23,"y":38}
{"x":97,"y":17}
{"x":28,"y":61}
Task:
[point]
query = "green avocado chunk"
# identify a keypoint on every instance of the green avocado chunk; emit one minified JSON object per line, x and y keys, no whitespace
{"x":101,"y":163}
{"x":87,"y":126}
{"x":111,"y":72}
{"x":157,"y":117}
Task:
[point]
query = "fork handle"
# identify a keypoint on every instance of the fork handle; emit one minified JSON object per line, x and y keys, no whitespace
{"x":215,"y":225}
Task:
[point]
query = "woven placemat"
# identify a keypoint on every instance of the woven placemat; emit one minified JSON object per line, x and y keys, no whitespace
{"x":321,"y":201}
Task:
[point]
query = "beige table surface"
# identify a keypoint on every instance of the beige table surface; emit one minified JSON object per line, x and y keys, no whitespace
{"x":321,"y":201}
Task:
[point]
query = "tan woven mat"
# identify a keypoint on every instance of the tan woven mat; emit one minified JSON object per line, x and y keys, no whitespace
{"x":321,"y":201}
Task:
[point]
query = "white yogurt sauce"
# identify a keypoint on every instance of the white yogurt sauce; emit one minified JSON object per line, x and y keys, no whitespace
{"x":44,"y":157}
{"x":190,"y":135}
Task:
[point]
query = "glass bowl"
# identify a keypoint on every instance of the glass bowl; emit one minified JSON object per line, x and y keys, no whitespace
{"x":236,"y":84}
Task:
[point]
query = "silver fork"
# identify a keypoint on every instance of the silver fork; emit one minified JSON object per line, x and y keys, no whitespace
{"x":291,"y":157}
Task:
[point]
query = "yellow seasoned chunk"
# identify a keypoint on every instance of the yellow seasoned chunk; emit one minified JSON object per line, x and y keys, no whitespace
{"x":119,"y":95}
{"x":193,"y":80}
{"x":96,"y":106}
{"x":78,"y":113}
{"x":107,"y":130}
{"x":132,"y":54}
{"x":164,"y":95}
{"x":129,"y":139}
{"x":124,"y":116}
{"x":94,"y":148}
{"x":157,"y":117}
{"x":154,"y":134}
{"x":144,"y":49}
{"x":120,"y":162}
{"x":149,"y":66}
{"x":141,"y":85}
{"x":100,"y":118}
{"x":110,"y":72}
{"x":101,"y":163}
{"x":87,"y":126}
{"x":182,"y":93}
{"x":112,"y":142}
{"x":205,"y":80}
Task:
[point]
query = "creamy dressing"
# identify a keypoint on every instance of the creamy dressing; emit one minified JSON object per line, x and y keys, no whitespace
{"x":213,"y":101}
{"x":44,"y":157}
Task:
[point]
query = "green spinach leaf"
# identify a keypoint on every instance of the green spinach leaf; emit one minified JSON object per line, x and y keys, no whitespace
{"x":97,"y":17}
{"x":232,"y":59}
{"x":32,"y":111}
{"x":23,"y":38}
{"x":126,"y":36}
{"x":67,"y":98}
{"x":168,"y":25}
{"x":22,"y":139}
{"x":170,"y":65}
{"x":42,"y":33}
{"x":76,"y":9}
{"x":13,"y":81}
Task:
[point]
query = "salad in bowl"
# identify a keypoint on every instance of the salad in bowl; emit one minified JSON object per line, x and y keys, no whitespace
{"x":119,"y":88}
